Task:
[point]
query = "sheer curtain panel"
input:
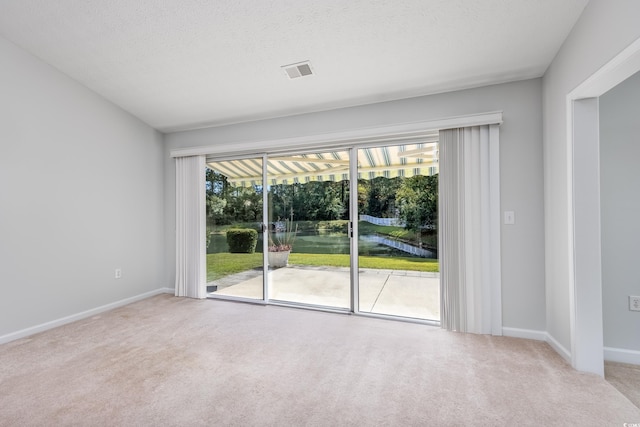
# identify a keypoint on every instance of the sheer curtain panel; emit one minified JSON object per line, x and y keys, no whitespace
{"x":191,"y":269}
{"x":469,"y":211}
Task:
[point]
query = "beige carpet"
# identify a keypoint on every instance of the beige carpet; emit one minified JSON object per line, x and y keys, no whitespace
{"x":182,"y":362}
{"x":626,"y":378}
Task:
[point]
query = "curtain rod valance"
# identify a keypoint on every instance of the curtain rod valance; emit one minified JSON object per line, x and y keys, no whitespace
{"x":366,"y":136}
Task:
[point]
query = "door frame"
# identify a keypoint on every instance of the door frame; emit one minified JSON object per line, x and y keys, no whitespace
{"x":351,"y":139}
{"x":583,"y":158}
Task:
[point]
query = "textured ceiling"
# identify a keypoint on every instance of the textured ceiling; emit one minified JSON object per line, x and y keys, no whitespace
{"x":180,"y":64}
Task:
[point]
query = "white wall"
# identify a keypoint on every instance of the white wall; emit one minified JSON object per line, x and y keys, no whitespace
{"x":620,"y":207}
{"x":520,"y":163}
{"x":603,"y":30}
{"x":80,"y":194}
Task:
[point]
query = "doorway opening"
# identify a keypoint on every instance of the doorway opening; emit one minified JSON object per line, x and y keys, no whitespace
{"x":585,"y":287}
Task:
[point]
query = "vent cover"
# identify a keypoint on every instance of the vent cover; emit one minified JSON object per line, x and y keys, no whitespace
{"x":300,"y":69}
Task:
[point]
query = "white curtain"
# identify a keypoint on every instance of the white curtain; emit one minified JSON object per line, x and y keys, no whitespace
{"x":469,"y":227}
{"x":191,"y":271}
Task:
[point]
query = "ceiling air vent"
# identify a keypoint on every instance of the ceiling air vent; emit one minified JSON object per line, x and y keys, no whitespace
{"x":300,"y":69}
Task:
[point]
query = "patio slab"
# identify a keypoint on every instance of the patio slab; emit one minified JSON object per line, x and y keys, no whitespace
{"x":391,"y":292}
{"x":410,"y":296}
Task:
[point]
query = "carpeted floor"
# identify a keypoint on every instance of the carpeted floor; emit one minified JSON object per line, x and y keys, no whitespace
{"x":626,"y":378}
{"x":182,"y":362}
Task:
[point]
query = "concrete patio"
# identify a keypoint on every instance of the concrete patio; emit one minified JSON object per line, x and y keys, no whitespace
{"x":403,"y":293}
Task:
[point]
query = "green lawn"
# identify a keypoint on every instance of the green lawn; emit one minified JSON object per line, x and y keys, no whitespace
{"x":225,"y":264}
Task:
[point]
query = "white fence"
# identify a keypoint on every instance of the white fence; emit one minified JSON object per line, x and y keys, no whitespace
{"x":382,"y":221}
{"x":404,"y":247}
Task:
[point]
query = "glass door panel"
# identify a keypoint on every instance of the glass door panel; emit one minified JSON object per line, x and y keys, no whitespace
{"x":398,"y":231}
{"x":234,"y":204}
{"x":308,"y":220}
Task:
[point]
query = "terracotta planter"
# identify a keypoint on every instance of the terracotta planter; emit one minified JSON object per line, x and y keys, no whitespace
{"x":278,"y":259}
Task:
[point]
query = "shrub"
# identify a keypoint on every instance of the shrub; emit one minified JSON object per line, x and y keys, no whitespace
{"x":242,"y":240}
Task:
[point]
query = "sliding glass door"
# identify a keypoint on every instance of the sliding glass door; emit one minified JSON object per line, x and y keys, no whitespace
{"x":398,"y":230}
{"x":235,"y":255}
{"x":309,"y":243}
{"x":284,"y":228}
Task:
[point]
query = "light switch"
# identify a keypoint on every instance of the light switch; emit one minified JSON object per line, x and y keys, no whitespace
{"x":509,"y":217}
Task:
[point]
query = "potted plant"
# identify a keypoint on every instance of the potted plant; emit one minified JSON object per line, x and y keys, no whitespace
{"x":280,"y":245}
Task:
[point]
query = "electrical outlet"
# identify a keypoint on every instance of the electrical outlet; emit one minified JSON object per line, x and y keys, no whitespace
{"x":118,"y":273}
{"x":634,"y":303}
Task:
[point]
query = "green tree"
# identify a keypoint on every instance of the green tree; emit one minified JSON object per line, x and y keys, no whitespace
{"x":215,"y":207}
{"x":417,"y":199}
{"x":364,"y":187}
{"x":381,"y":200}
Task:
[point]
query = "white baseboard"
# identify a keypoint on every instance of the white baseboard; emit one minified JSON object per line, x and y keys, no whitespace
{"x":529,"y":334}
{"x":78,"y":316}
{"x":566,"y":354}
{"x":622,"y":355}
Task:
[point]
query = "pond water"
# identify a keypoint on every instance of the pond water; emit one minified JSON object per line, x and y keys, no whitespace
{"x":318,"y":243}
